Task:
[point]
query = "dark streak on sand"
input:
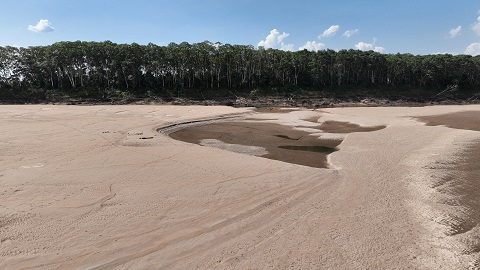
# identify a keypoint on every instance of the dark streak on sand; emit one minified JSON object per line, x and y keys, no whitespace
{"x":469,"y":120}
{"x":345,"y":127}
{"x":275,"y":110}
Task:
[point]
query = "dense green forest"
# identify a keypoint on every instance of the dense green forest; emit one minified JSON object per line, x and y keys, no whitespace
{"x":102,"y":70}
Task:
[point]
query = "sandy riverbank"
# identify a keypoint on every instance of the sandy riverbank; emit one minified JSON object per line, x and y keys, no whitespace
{"x":97,"y":187}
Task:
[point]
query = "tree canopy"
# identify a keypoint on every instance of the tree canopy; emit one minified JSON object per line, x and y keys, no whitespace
{"x":94,"y":69}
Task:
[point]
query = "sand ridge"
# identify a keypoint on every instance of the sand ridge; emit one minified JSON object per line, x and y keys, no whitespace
{"x":98,"y":187}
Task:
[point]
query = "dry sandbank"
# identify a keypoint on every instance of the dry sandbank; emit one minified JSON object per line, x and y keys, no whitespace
{"x":98,"y":187}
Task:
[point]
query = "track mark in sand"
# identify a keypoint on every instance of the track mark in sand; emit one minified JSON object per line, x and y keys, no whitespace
{"x":98,"y":202}
{"x":122,"y":112}
{"x":288,"y":199}
{"x":216,"y":191}
{"x":273,"y":205}
{"x":107,"y":198}
{"x":274,"y":234}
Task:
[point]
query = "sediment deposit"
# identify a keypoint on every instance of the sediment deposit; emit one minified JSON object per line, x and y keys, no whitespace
{"x":98,"y":187}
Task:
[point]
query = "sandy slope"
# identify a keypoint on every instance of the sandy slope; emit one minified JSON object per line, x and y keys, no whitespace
{"x":96,"y":187}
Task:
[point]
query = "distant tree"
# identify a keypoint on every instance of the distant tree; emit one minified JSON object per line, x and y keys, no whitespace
{"x":91,"y":68}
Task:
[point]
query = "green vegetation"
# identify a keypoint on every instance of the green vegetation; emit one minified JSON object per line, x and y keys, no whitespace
{"x":104,"y":70}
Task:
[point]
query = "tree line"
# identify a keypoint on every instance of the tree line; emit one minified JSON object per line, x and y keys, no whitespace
{"x":98,"y":69}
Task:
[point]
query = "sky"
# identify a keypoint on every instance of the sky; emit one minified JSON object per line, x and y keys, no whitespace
{"x":387,"y":26}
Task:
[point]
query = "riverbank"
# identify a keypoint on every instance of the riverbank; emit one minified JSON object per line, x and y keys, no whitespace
{"x":295,"y":99}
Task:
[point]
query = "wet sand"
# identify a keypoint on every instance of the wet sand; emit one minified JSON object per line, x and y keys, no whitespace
{"x":345,"y":127}
{"x":281,"y":142}
{"x":465,"y":186}
{"x":462,"y":120}
{"x":97,"y":187}
{"x":461,"y":186}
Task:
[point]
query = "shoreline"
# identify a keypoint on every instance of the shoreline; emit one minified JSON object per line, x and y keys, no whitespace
{"x":256,"y":102}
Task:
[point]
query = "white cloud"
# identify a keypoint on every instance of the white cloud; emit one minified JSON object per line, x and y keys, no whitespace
{"x":364,"y":46}
{"x":379,"y":49}
{"x":282,"y":36}
{"x":274,"y":39}
{"x":350,"y":33}
{"x":441,"y":53}
{"x":312,"y":46}
{"x":286,"y":47}
{"x":330,"y":31}
{"x":369,"y":47}
{"x":41,"y":27}
{"x":455,"y":31}
{"x":476,"y":27}
{"x":473,"y":49}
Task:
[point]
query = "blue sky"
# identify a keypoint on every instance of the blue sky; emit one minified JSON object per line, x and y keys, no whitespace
{"x":408,"y":26}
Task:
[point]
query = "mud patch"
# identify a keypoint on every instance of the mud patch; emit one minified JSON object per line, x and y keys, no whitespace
{"x":308,"y":148}
{"x":271,"y":137}
{"x":469,"y":120}
{"x":345,"y":127}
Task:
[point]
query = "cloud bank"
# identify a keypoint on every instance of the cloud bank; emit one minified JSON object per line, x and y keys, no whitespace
{"x":330,"y":32}
{"x":312,"y":46}
{"x":42,"y":26}
{"x":473,"y":49}
{"x":363,"y":46}
{"x":275,"y":39}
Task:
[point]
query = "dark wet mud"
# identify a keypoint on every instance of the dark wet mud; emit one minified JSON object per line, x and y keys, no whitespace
{"x":282,"y":143}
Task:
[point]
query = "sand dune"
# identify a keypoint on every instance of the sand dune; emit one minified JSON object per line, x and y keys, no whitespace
{"x":97,"y":187}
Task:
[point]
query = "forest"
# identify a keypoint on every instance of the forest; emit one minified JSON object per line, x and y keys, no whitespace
{"x":105,"y":70}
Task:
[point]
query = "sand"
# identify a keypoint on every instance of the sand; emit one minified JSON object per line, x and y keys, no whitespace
{"x":97,"y":187}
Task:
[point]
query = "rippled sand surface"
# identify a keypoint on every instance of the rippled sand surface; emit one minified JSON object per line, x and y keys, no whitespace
{"x":103,"y":187}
